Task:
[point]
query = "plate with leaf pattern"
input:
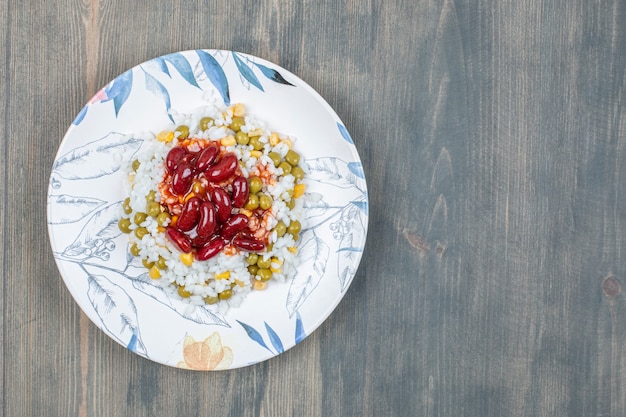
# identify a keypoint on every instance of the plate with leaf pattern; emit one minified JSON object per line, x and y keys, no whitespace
{"x":85,"y":195}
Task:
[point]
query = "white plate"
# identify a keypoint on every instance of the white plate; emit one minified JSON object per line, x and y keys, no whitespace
{"x":86,"y":191}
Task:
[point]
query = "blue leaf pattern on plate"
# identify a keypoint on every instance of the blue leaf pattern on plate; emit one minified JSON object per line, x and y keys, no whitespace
{"x":81,"y":115}
{"x":69,"y":209}
{"x":119,"y":90}
{"x":300,"y":334}
{"x":95,"y":240}
{"x":182,"y":66}
{"x":357,"y":169}
{"x":246,"y":72}
{"x":334,"y":171}
{"x":154,"y":86}
{"x":96,"y":159}
{"x":253,"y":334}
{"x":272,"y":74}
{"x":344,"y":133}
{"x":116,"y":310}
{"x":215,"y":73}
{"x":278,"y":345}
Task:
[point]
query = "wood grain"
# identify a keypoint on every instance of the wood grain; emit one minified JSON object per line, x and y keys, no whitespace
{"x":493,"y":136}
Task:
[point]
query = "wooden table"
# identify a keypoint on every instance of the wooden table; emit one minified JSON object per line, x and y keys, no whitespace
{"x":493,"y":137}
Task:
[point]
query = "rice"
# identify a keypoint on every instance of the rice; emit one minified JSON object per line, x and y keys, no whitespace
{"x":229,"y":275}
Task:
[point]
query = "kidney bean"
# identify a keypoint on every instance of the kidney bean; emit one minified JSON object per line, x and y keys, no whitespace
{"x":235,"y":224}
{"x":179,"y":239}
{"x":182,"y":178}
{"x":223,"y":169}
{"x":212,"y":248}
{"x":247,"y":244}
{"x":207,"y":221}
{"x":206,"y":157}
{"x":173,"y":158}
{"x":241,"y":190}
{"x":189,"y":215}
{"x":223,"y":205}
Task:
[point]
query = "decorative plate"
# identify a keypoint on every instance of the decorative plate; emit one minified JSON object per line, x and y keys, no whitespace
{"x":86,"y":192}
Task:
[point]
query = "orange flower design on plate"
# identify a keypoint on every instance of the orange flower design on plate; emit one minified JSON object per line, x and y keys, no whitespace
{"x":207,"y":355}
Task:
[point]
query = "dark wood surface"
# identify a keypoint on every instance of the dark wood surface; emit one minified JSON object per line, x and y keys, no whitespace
{"x":493,"y":136}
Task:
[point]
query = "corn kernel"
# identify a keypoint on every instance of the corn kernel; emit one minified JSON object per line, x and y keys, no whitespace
{"x":256,"y":154}
{"x":274,"y":139}
{"x":239,"y":109}
{"x":288,"y":142}
{"x":161,"y":229}
{"x":189,"y":196}
{"x":258,"y":285}
{"x":154,"y":272}
{"x":173,"y":220}
{"x":298,"y":190}
{"x":228,"y":140}
{"x":248,"y":213}
{"x":255,"y":132}
{"x":240,"y":283}
{"x":292,"y":249}
{"x":223,"y":275}
{"x":197,"y":187}
{"x":276,"y":265}
{"x":186,"y":258}
{"x":165,"y":136}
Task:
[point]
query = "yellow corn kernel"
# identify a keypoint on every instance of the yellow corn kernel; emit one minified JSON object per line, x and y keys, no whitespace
{"x":238,"y":109}
{"x":223,"y":275}
{"x":165,"y":136}
{"x":256,"y":154}
{"x":274,"y":139}
{"x":228,"y":140}
{"x":248,"y":213}
{"x":292,"y":249}
{"x":240,"y":283}
{"x":276,"y":265}
{"x":154,"y":272}
{"x":161,"y":229}
{"x":298,"y":190}
{"x":189,"y":196}
{"x":197,"y":187}
{"x":173,"y":220}
{"x":186,"y":258}
{"x":258,"y":285}
{"x":255,"y":132}
{"x":288,"y":142}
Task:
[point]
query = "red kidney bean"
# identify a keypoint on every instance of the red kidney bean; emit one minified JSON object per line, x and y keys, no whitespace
{"x":223,"y":206}
{"x":190,"y":158}
{"x":223,"y":169}
{"x":173,"y":158}
{"x":206,"y":157}
{"x":182,"y":178}
{"x":189,"y":215}
{"x":235,"y":224}
{"x":207,"y":221}
{"x":212,"y":248}
{"x":247,"y":244}
{"x":241,"y":190}
{"x":180,"y":239}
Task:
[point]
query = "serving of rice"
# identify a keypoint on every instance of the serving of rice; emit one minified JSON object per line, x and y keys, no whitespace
{"x":227,"y":276}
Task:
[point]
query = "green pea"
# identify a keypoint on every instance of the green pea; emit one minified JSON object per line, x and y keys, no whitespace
{"x":146,"y":263}
{"x":265,"y":201}
{"x":136,"y":165}
{"x":211,"y":299}
{"x":124,"y":225}
{"x":182,"y":291}
{"x":294,"y":228}
{"x":140,"y":232}
{"x":255,"y":184}
{"x":153,"y":209}
{"x":264,"y":263}
{"x":160,"y":263}
{"x":134,"y":249}
{"x":205,"y":123}
{"x":183,"y":132}
{"x":256,"y":144}
{"x":253,"y":202}
{"x":162,"y":218}
{"x":242,"y":138}
{"x":126,"y":206}
{"x":265,"y":274}
{"x":286,"y":167}
{"x":298,"y":173}
{"x":280,"y":228}
{"x":291,"y":203}
{"x":292,"y":157}
{"x":151,"y":196}
{"x":253,"y":269}
{"x":275,"y":157}
{"x":236,"y":123}
{"x":140,"y":217}
{"x":252,"y":258}
{"x":225,"y":295}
